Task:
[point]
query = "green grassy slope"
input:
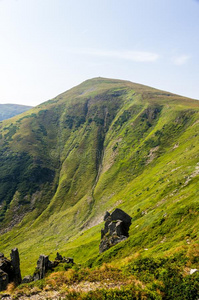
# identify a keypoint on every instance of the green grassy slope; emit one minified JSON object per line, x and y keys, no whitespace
{"x":103,"y":144}
{"x":10,"y":110}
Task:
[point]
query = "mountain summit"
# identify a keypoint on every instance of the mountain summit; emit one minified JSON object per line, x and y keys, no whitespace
{"x":102,"y":145}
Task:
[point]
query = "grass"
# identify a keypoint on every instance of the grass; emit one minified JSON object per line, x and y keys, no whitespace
{"x":98,"y":146}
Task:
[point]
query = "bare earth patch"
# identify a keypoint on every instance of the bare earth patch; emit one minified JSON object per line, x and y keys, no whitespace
{"x":152,"y":154}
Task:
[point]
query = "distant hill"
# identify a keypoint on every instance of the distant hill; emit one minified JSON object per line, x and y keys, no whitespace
{"x":10,"y":110}
{"x":103,"y":144}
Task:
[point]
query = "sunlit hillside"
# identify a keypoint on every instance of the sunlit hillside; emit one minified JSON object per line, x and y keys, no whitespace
{"x":103,"y":144}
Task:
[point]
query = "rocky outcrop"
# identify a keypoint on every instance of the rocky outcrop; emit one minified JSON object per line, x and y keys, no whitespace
{"x":60,"y":259}
{"x":10,"y":269}
{"x":44,"y":265}
{"x":116,"y":229}
{"x":15,"y":261}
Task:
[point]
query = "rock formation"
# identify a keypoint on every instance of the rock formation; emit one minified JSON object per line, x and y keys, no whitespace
{"x":59,"y":258}
{"x":115,"y":230}
{"x":44,"y":265}
{"x":10,"y":269}
{"x":15,"y":261}
{"x":3,"y":280}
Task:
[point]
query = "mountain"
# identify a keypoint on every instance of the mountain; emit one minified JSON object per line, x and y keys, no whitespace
{"x":102,"y":145}
{"x":10,"y":110}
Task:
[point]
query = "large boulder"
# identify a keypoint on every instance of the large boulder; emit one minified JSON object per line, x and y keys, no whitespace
{"x":116,"y":229}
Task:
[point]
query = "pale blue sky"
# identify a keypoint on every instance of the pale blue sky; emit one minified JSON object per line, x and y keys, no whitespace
{"x":49,"y":46}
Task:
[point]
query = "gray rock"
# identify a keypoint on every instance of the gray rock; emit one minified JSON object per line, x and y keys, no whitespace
{"x":119,"y":214}
{"x":27,"y":279}
{"x":6,"y":266}
{"x":116,"y":229}
{"x":111,"y":228}
{"x":43,"y":265}
{"x":120,"y":229}
{"x":5,"y":269}
{"x":107,"y":222}
{"x":3,"y":280}
{"x":15,"y":261}
{"x":109,"y":242}
{"x":10,"y":269}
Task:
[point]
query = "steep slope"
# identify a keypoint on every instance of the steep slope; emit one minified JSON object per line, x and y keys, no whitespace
{"x":103,"y":144}
{"x":10,"y":110}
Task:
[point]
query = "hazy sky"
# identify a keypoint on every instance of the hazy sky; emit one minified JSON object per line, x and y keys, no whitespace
{"x":49,"y":46}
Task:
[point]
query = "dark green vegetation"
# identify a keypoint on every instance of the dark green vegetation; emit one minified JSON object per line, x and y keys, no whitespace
{"x":10,"y":110}
{"x":101,"y":145}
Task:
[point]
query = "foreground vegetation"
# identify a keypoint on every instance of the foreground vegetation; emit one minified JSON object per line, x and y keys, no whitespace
{"x":140,"y":278}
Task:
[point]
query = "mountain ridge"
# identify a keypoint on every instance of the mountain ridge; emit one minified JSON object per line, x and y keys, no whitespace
{"x":103,"y":144}
{"x":9,"y":110}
